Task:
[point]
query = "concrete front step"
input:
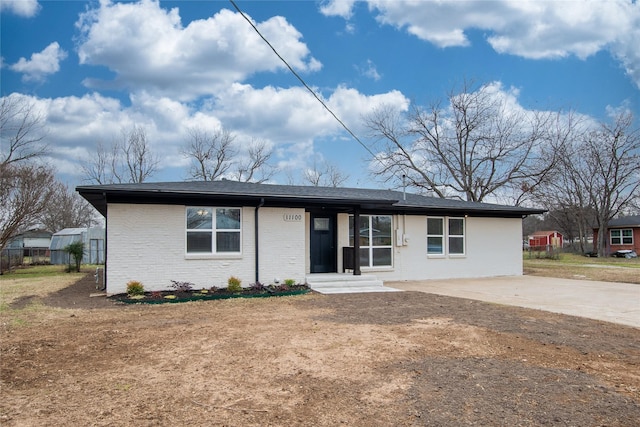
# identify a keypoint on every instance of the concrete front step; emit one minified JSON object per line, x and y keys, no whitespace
{"x":353,"y":289}
{"x":344,"y":277}
{"x":346,"y":283}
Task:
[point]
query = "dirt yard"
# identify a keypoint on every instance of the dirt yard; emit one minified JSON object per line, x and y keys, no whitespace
{"x":392,"y":359}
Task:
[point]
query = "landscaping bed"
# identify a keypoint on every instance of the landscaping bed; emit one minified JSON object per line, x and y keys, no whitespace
{"x":163,"y":297}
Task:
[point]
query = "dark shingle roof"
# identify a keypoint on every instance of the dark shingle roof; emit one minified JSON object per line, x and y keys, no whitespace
{"x":287,"y":195}
{"x":626,"y":221}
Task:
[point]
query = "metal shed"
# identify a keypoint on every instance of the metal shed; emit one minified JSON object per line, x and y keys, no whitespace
{"x":93,"y":239}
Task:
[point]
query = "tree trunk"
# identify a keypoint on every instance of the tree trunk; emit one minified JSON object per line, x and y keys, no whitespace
{"x":602,"y":242}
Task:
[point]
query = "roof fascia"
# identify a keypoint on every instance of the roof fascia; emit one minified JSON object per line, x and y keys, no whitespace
{"x":100,"y":197}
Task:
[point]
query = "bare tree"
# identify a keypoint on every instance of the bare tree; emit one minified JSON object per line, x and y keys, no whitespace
{"x":211,"y":154}
{"x":98,"y":169}
{"x":563,"y":193}
{"x":22,"y":130}
{"x":606,"y":169}
{"x":214,"y":155}
{"x":327,"y":175}
{"x":475,"y":146}
{"x":25,"y":192}
{"x":25,"y":188}
{"x":255,"y":167}
{"x":140,"y":163}
{"x":128,"y":160}
{"x":67,"y":209}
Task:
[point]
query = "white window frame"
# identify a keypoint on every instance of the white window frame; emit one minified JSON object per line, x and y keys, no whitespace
{"x":213,"y":231}
{"x":621,"y":236}
{"x":446,"y":237}
{"x":462,"y":236}
{"x":441,"y":236}
{"x":370,"y":247}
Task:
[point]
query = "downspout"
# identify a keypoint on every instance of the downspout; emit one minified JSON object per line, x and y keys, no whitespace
{"x":256,"y":239}
{"x":106,"y":229}
{"x":356,"y":242}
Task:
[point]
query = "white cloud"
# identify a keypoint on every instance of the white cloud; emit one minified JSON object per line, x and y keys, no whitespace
{"x":528,"y":28}
{"x":293,"y":114}
{"x":352,"y":106}
{"x":287,"y":119}
{"x":370,"y":71}
{"x":626,"y":49}
{"x":341,"y":8}
{"x":41,"y":64}
{"x":149,"y":49}
{"x":24,"y":8}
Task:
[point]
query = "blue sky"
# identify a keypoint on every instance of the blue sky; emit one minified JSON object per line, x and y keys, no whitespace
{"x":94,"y":68}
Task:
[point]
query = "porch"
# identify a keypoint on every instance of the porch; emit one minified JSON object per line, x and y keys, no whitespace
{"x":344,"y":283}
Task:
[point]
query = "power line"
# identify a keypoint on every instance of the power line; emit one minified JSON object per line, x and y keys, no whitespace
{"x":315,"y":95}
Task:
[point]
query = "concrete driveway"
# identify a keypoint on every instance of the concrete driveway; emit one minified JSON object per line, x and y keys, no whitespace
{"x":611,"y":302}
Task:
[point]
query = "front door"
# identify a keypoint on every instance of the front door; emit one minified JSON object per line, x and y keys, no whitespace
{"x":323,"y":243}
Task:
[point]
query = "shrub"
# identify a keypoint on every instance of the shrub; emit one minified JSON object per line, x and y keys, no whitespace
{"x":135,"y":288}
{"x":234,"y":284}
{"x":283,"y":287}
{"x":181,"y":286}
{"x":213,"y":289}
{"x":290,"y":282}
{"x":258,"y":287}
{"x":75,"y":250}
{"x":156,"y":294}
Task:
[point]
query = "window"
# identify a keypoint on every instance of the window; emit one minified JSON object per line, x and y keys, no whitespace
{"x":213,"y":230}
{"x":456,"y":236}
{"x":375,"y":240}
{"x":453,"y":235}
{"x":622,"y":236}
{"x":435,"y":236}
{"x":321,"y":224}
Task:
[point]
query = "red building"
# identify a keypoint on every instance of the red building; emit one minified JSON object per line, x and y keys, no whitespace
{"x":541,"y":240}
{"x":623,"y":234}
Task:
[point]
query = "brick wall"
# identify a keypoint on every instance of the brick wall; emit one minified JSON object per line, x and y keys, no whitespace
{"x":147,"y":243}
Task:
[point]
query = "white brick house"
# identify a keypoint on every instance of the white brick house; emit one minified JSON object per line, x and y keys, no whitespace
{"x":205,"y":232}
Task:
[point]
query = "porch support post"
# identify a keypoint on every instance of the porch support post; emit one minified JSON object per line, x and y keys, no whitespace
{"x":356,"y":242}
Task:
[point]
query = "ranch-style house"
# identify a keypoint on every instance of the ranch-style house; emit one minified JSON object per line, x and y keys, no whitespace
{"x":205,"y":232}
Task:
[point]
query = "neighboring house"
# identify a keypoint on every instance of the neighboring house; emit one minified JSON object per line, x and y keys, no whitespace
{"x":623,"y":234}
{"x":32,"y":242}
{"x":93,"y":239}
{"x":542,"y":240}
{"x":205,"y":232}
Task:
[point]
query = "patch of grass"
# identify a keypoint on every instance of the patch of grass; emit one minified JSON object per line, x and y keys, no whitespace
{"x":34,"y":271}
{"x":577,"y":259}
{"x":17,"y":322}
{"x":573,"y":266}
{"x":40,"y":284}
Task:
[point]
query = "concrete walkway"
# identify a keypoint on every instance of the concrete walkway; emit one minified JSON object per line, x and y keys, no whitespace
{"x":611,"y":302}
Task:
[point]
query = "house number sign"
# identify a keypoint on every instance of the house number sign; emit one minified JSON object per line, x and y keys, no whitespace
{"x":292,"y":217}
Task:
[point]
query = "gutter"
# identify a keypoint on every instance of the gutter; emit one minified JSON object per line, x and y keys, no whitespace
{"x":257,"y":248}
